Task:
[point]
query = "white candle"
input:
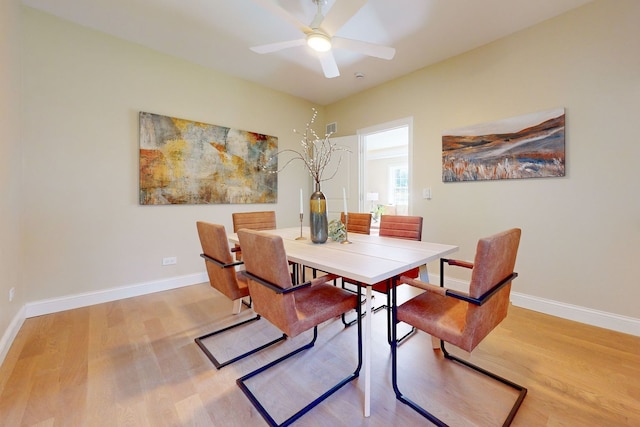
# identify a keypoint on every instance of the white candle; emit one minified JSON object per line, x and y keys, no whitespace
{"x":344,"y":199}
{"x":301,"y":210}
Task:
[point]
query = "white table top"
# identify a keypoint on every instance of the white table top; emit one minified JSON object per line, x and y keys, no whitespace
{"x":368,"y":259}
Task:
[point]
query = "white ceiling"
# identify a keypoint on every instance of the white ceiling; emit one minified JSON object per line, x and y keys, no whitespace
{"x":218,"y":34}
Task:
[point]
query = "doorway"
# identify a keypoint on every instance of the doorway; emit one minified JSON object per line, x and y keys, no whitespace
{"x":385,"y":171}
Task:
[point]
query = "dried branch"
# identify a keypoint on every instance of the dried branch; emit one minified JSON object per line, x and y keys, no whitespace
{"x":316,"y":153}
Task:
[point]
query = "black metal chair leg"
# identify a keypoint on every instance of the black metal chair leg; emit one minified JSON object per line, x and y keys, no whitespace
{"x":219,"y":364}
{"x":389,"y":321}
{"x":247,"y":304}
{"x":522,"y":390}
{"x":394,"y":367}
{"x":435,"y":420}
{"x":261,"y":409}
{"x":347,"y":324}
{"x":358,"y":291}
{"x":390,"y":326}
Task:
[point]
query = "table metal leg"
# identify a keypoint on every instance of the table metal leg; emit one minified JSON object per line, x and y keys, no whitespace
{"x":367,"y":354}
{"x":424,"y":273}
{"x":237,"y":306}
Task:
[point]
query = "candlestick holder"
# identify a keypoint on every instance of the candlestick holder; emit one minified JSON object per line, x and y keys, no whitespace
{"x":301,"y":237}
{"x":346,"y":230}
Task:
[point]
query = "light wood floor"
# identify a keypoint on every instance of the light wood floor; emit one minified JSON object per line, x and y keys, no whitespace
{"x":134,"y":363}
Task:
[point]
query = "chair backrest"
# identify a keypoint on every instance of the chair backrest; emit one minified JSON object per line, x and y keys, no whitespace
{"x":358,"y":222}
{"x":265,"y":257}
{"x":264,"y":220}
{"x":401,"y":227}
{"x":213,"y":239}
{"x":495,"y":260}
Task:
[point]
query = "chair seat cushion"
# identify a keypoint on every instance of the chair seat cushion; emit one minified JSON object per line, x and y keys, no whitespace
{"x":320,"y":303}
{"x":440,"y":316}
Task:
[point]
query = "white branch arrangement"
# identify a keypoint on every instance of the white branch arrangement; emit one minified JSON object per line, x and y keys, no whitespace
{"x":315,"y":153}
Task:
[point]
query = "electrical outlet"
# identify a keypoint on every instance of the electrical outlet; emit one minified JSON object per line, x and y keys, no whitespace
{"x":170,"y":260}
{"x":12,"y":293}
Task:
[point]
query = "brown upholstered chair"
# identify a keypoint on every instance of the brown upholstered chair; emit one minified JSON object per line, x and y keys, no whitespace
{"x":293,"y":309}
{"x":263,"y":220}
{"x":401,"y":227}
{"x":358,"y":222}
{"x":225,"y":279}
{"x":398,"y":227}
{"x":463,"y":319}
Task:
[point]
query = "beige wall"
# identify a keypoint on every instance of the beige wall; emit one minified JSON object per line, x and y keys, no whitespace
{"x":10,"y":165}
{"x":73,"y":225}
{"x":581,"y":233}
{"x":83,"y":227}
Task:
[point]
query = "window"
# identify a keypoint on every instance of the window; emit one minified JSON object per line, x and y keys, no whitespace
{"x":399,"y":188}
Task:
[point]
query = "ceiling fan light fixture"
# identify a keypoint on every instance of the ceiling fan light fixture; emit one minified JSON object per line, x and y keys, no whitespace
{"x":319,"y":42}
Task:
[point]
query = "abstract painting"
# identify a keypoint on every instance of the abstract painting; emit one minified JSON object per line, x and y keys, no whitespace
{"x":527,"y":146}
{"x":187,"y":162}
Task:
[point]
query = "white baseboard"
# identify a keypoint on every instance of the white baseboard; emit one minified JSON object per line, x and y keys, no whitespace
{"x":615,"y":322}
{"x":11,"y":333}
{"x":589,"y":316}
{"x":69,"y":302}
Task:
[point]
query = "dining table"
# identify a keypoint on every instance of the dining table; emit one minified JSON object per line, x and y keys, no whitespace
{"x":366,"y":259}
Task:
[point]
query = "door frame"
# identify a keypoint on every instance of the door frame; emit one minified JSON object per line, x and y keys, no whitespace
{"x":362,"y":155}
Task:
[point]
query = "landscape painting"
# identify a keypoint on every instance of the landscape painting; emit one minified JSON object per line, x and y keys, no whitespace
{"x":527,"y":146}
{"x":187,"y":162}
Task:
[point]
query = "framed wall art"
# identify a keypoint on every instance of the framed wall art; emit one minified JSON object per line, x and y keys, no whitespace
{"x":188,"y":162}
{"x":527,"y":146}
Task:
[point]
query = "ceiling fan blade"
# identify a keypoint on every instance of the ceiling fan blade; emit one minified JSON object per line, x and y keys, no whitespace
{"x":340,"y":13}
{"x":369,"y":49}
{"x":329,"y":66}
{"x":275,"y":9}
{"x":274,"y":47}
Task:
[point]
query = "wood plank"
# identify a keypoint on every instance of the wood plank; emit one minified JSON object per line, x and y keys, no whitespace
{"x":134,"y":363}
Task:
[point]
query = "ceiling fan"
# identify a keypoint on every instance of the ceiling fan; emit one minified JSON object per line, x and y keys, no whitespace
{"x":320,"y":34}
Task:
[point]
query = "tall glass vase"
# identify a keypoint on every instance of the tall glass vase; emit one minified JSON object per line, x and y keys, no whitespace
{"x":318,"y":217}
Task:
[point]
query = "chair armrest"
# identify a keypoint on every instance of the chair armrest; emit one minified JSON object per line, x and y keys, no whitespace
{"x":278,"y":289}
{"x":440,"y":290}
{"x":322,"y":279}
{"x":487,"y":295}
{"x":457,"y":262}
{"x":220,"y":264}
{"x":453,"y":262}
{"x":423,"y":285}
{"x":462,"y":296}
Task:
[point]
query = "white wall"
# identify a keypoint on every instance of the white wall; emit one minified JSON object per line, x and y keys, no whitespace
{"x":84,"y":230}
{"x":581,"y":233}
{"x":10,"y":171}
